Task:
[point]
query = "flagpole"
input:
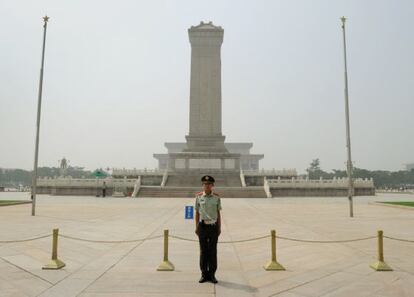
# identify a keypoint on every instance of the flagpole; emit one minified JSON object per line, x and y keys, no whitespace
{"x":348,"y":136}
{"x":39,"y":108}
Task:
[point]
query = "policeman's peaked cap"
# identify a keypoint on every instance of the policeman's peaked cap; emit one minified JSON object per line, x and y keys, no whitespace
{"x":207,"y":179}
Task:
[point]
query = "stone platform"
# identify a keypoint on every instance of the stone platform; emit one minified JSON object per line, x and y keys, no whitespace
{"x":129,"y":269}
{"x":228,"y":184}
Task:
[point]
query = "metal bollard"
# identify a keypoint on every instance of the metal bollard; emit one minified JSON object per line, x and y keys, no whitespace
{"x":166,"y":265}
{"x":54,"y":263}
{"x":273,"y":264}
{"x":380,"y":265}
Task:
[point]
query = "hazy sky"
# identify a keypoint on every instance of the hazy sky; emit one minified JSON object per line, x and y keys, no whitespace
{"x":116,"y":84}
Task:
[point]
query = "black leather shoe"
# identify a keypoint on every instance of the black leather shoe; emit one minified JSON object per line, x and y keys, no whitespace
{"x":202,"y":279}
{"x":213,"y":279}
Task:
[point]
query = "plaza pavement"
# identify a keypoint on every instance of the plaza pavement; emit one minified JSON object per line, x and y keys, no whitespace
{"x":129,"y":269}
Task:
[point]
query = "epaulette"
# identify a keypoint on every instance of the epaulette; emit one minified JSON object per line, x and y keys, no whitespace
{"x":215,"y":194}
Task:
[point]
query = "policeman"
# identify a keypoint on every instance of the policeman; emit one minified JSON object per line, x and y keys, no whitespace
{"x":208,"y":228}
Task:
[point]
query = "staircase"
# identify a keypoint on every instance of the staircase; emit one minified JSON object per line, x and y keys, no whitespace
{"x":191,"y":180}
{"x":189,"y":192}
{"x":168,"y":192}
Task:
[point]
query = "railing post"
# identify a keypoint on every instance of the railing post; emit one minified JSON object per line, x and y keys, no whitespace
{"x":166,"y":265}
{"x":54,"y":263}
{"x":380,"y":265}
{"x":273,"y":264}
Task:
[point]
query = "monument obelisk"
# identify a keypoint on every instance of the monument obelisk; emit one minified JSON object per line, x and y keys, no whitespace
{"x":205,"y":89}
{"x":204,"y":150}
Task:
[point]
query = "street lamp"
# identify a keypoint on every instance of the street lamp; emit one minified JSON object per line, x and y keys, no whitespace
{"x":39,"y":108}
{"x":348,"y":136}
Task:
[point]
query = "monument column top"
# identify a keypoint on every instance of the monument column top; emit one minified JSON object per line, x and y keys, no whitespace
{"x":206,"y":27}
{"x":206,"y":34}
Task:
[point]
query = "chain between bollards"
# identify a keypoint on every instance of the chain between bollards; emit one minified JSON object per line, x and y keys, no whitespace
{"x":55,"y":263}
{"x":25,"y":240}
{"x":110,"y":241}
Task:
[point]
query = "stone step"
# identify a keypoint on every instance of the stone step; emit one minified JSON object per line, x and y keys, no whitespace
{"x":170,"y":192}
{"x":192,"y":180}
{"x":189,"y":192}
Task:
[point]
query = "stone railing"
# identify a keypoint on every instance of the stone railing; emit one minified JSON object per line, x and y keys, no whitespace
{"x":320,"y":183}
{"x":274,"y":172}
{"x":385,"y":190}
{"x":136,"y":172}
{"x":85,"y":182}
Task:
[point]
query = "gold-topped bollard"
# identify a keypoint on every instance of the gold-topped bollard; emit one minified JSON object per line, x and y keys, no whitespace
{"x":273,"y":264}
{"x":380,"y":265}
{"x":54,"y":263}
{"x":166,"y":265}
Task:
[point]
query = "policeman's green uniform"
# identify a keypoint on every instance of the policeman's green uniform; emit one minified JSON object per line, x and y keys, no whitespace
{"x":208,"y":205}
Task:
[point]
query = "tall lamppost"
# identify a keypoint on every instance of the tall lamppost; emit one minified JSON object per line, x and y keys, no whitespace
{"x":348,"y":136}
{"x":39,"y":108}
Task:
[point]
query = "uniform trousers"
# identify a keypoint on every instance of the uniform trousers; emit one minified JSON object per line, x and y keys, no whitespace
{"x":208,"y":236}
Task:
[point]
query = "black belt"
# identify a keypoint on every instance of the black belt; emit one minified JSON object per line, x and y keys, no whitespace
{"x":205,"y":224}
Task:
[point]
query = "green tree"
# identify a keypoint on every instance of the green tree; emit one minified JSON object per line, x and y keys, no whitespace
{"x":315,"y":172}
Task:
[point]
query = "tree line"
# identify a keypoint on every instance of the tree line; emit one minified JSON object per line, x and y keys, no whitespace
{"x":382,"y":178}
{"x":17,"y":177}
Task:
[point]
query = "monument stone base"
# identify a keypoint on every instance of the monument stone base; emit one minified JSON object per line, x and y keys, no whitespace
{"x":217,"y":161}
{"x":186,"y":168}
{"x":205,"y":144}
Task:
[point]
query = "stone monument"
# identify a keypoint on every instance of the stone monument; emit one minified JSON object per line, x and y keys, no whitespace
{"x":63,"y":166}
{"x":205,"y":149}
